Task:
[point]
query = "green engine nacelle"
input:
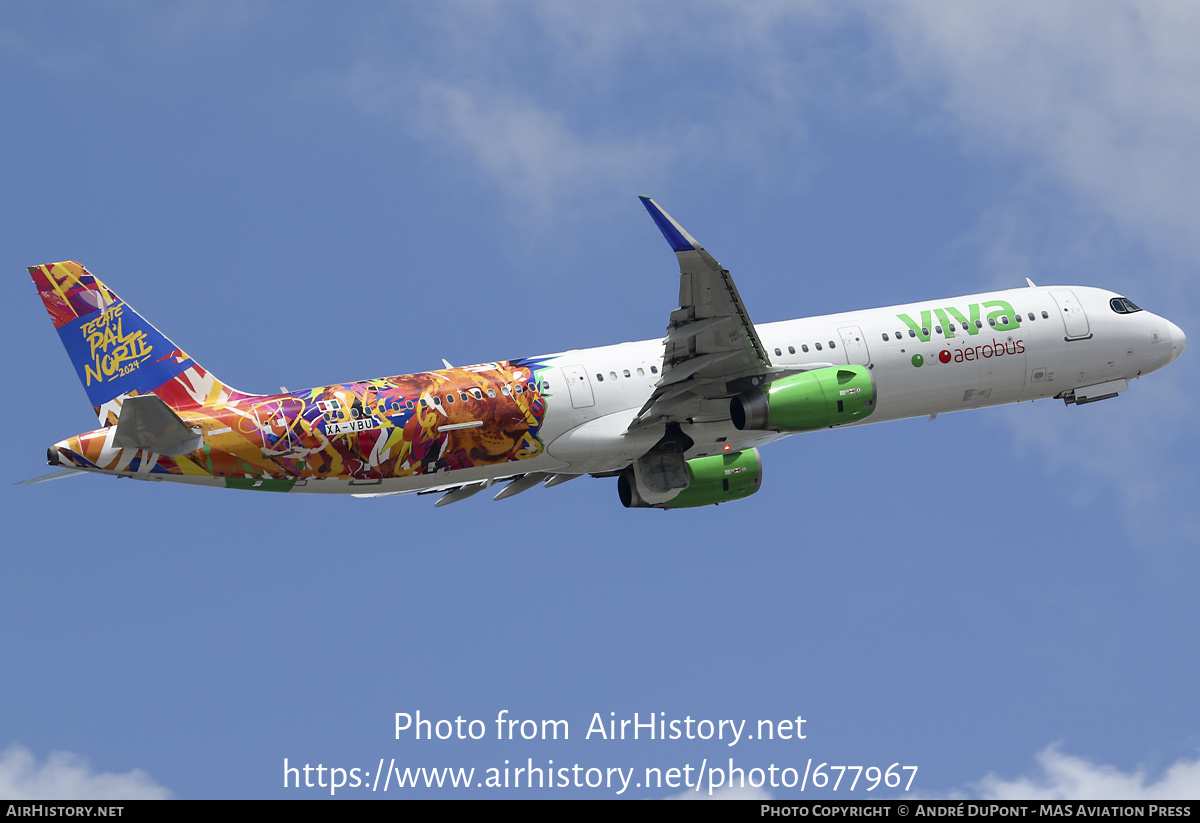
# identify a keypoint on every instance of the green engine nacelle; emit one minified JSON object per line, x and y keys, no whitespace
{"x":716,"y":479}
{"x":818,"y":399}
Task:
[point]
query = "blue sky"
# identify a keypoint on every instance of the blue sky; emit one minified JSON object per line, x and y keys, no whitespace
{"x":298,"y":196}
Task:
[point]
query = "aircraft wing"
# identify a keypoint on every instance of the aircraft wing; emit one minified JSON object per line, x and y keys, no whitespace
{"x":710,"y":341}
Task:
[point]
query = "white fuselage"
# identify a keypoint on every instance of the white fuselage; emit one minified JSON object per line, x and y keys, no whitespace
{"x":1064,"y":347}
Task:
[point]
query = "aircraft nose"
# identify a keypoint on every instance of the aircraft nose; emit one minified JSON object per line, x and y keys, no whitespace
{"x":1178,"y":340}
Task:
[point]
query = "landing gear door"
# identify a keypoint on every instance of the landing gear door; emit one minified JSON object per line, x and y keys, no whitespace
{"x":579,"y":386}
{"x":855,"y":346}
{"x":1071,"y":311}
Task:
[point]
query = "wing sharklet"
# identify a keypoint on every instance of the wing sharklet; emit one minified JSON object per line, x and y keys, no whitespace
{"x":677,"y":238}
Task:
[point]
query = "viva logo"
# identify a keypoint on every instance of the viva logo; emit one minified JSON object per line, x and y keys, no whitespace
{"x":1000,"y":317}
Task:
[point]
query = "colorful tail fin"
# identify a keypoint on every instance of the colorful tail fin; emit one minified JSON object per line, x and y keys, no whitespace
{"x":115,"y":351}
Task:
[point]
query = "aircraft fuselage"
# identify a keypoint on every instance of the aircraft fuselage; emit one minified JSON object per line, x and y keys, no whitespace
{"x":569,"y":413}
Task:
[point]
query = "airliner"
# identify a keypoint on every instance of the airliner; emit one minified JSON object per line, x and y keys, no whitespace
{"x":678,"y":421}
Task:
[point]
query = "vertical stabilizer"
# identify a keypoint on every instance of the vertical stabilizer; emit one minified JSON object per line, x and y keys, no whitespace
{"x":115,"y":351}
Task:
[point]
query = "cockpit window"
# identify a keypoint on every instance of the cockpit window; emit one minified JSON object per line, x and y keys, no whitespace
{"x":1122,"y":306}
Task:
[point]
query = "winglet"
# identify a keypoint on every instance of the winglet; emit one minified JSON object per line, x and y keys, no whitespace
{"x":678,"y":239}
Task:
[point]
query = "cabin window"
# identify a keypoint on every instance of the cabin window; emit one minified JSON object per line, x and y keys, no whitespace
{"x":424,"y":403}
{"x":408,"y":404}
{"x":791,"y":349}
{"x":951,"y":327}
{"x":778,"y":353}
{"x":437,"y":401}
{"x":938,"y":329}
{"x":979,"y":324}
{"x":520,"y":389}
{"x":613,"y":375}
{"x":627,"y":372}
{"x":1031,"y":317}
{"x":654,"y":369}
{"x":449,"y":398}
{"x":832,"y":345}
{"x":491,"y":392}
{"x":462,"y":395}
{"x":804,"y":347}
{"x":478,"y":394}
{"x":885,"y":337}
{"x":641,"y":372}
{"x":1045,"y":316}
{"x":599,"y":377}
{"x":505,"y":390}
{"x":818,"y":345}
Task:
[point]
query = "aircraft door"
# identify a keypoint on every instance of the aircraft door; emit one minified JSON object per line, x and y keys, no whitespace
{"x":579,"y":386}
{"x":1071,"y":311}
{"x":855,"y":346}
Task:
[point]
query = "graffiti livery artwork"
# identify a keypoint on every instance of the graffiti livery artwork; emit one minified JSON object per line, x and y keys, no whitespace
{"x":390,"y":427}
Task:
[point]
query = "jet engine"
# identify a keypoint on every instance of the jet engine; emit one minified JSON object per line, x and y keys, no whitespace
{"x":818,"y":399}
{"x":716,"y":479}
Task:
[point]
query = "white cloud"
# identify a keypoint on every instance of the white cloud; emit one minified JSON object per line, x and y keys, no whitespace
{"x":67,"y":776}
{"x":530,"y":148}
{"x":555,"y":102}
{"x":551,"y":100}
{"x":1125,"y":454}
{"x":1101,"y":98}
{"x":725,"y":793}
{"x":1064,"y":777}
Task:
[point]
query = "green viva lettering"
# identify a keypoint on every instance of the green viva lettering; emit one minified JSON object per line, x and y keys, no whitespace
{"x":1001,"y":314}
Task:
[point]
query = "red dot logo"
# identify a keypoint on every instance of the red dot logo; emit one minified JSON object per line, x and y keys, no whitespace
{"x":944,"y":356}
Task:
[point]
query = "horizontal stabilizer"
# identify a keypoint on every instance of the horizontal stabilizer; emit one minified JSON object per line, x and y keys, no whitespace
{"x":54,"y":475}
{"x":148,"y":423}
